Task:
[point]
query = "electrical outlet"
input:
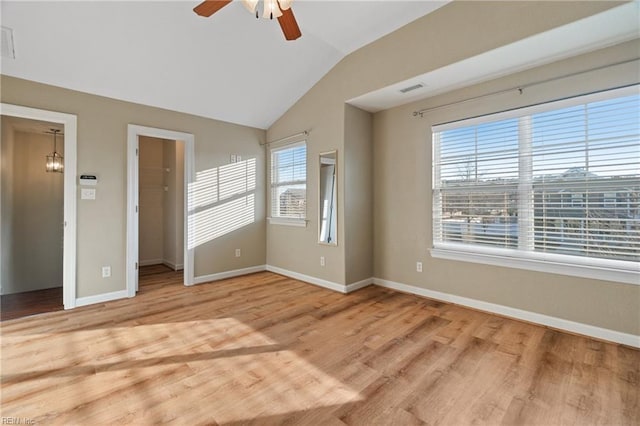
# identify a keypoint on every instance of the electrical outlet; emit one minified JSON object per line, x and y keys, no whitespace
{"x":238,"y":252}
{"x":321,"y":260}
{"x":233,"y":158}
{"x":106,"y":271}
{"x":419,"y":266}
{"x":238,"y":158}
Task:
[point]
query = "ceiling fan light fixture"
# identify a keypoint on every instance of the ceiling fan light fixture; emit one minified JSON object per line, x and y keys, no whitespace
{"x":285,"y":4}
{"x":250,"y":5}
{"x":280,"y":9}
{"x":271,"y":9}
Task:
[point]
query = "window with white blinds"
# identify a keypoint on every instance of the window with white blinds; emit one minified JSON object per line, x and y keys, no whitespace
{"x":558,"y":182}
{"x":289,"y":182}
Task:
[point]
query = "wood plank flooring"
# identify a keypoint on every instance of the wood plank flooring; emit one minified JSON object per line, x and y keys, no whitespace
{"x":20,"y":305}
{"x":266,"y":349}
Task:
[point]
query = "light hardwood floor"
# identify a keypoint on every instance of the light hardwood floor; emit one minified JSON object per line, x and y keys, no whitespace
{"x":266,"y":349}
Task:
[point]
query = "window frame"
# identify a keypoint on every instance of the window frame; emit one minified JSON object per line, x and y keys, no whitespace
{"x":579,"y":266}
{"x":283,"y":220}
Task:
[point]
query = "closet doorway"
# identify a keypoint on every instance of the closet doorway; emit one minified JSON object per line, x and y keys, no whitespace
{"x":160,"y":172}
{"x":161,"y":201}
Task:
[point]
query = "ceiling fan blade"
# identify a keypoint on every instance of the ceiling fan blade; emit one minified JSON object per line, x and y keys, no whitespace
{"x":209,"y":7}
{"x":289,"y":25}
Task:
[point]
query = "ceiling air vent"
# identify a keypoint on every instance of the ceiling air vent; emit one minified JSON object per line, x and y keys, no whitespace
{"x":411,"y":88}
{"x":7,"y":43}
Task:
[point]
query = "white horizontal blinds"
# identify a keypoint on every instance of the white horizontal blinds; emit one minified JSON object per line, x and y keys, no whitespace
{"x":555,"y":178}
{"x":289,"y":181}
{"x":478,"y":184}
{"x":586,"y":168}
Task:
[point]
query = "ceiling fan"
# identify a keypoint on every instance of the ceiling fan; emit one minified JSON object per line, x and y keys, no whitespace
{"x":280,"y":9}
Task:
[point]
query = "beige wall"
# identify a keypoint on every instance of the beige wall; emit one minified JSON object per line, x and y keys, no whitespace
{"x":151,"y":227}
{"x":451,"y":33}
{"x":358,"y":194}
{"x":294,"y":248}
{"x":403,"y":239}
{"x":102,"y":137}
{"x":173,"y":227}
{"x":401,"y":159}
{"x":32,"y":221}
{"x":6,"y":202}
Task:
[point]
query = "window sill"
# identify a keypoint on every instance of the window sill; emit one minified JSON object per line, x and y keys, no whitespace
{"x":302,"y":223}
{"x":598,"y":269}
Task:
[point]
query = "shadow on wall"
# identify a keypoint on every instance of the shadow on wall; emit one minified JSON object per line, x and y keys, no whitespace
{"x":221,"y":200}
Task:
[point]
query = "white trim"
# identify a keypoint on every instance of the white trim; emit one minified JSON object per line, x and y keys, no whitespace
{"x":229,"y":274}
{"x":100,"y":298}
{"x":273,"y":173}
{"x":70,"y":122}
{"x":526,"y":257}
{"x":558,"y":323}
{"x":133,"y":131}
{"x":309,"y":279}
{"x":359,"y":284}
{"x":597,"y":269}
{"x":302,"y":223}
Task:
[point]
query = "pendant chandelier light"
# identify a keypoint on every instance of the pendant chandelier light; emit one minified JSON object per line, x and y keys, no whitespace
{"x":55,"y":161}
{"x":271,"y":8}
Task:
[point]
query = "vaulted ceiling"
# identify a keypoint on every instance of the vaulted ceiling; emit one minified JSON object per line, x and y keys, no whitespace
{"x":229,"y":67}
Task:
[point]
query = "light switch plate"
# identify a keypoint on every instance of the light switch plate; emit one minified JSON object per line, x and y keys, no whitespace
{"x":88,"y":194}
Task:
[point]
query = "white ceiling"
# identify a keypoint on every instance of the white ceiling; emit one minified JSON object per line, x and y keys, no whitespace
{"x":230,"y":66}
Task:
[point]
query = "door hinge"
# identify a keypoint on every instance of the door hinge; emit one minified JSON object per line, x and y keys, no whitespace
{"x":136,"y":266}
{"x":136,"y":209}
{"x":136,"y":151}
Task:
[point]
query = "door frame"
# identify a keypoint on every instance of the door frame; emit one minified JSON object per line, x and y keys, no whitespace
{"x":70,"y":123}
{"x":133,"y":132}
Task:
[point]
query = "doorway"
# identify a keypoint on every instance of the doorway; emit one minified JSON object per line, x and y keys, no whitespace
{"x":153,"y":183}
{"x":161,"y":201}
{"x":45,"y":232}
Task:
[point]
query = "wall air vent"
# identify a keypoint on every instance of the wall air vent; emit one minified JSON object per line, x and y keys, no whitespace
{"x":7,"y":43}
{"x":411,"y":88}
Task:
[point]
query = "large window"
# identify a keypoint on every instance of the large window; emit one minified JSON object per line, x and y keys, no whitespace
{"x":550,"y":186}
{"x":289,"y":183}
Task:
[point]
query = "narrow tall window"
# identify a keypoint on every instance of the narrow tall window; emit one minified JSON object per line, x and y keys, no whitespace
{"x":552,"y":182}
{"x":289,"y":182}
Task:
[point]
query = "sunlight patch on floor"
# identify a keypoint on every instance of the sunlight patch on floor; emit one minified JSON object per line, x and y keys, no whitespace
{"x":161,"y":372}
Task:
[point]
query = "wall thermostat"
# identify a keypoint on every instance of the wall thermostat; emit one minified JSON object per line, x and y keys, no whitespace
{"x":88,"y":180}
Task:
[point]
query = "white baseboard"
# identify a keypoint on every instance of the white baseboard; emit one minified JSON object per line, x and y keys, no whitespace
{"x":320,"y":282}
{"x":150,"y":262}
{"x":358,"y":285}
{"x":168,"y":263}
{"x":99,"y":298}
{"x":559,"y":323}
{"x":228,"y":274}
{"x":174,"y":266}
{"x":309,"y":279}
{"x":533,"y":317}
